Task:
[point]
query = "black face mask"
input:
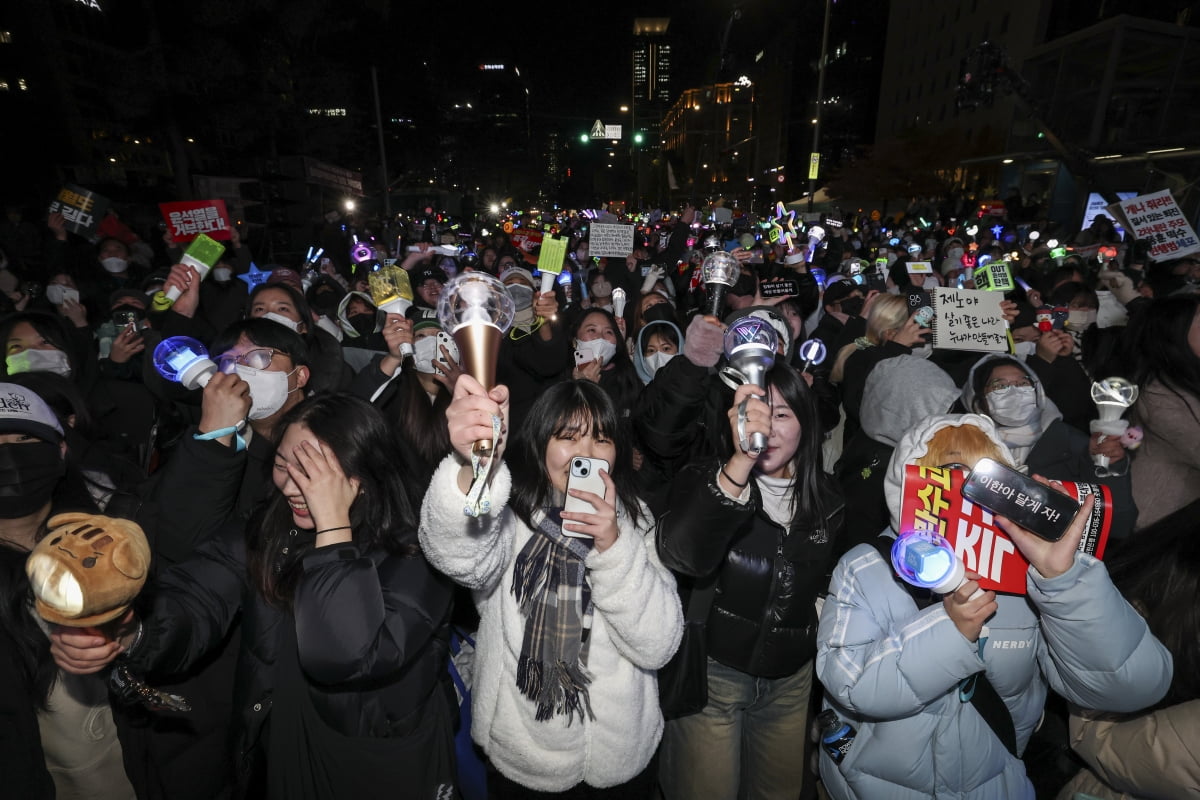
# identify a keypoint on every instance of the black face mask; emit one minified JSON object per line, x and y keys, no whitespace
{"x":853,"y":306}
{"x":659,"y":312}
{"x":29,"y":473}
{"x":363,"y":324}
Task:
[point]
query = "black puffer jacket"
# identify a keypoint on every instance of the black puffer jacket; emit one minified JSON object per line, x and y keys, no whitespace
{"x":763,"y":619}
{"x":371,"y":627}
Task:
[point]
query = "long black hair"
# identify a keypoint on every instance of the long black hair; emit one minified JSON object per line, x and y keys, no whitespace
{"x":383,"y":516}
{"x":809,"y":495}
{"x":1158,"y":572}
{"x":50,"y":327}
{"x":567,"y":407}
{"x":1158,"y":347}
{"x":621,"y":382}
{"x":419,"y":423}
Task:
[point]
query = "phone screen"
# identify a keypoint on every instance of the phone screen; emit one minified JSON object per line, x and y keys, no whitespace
{"x":1002,"y":490}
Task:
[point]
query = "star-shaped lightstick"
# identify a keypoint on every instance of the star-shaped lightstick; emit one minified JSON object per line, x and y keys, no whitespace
{"x":254,"y":277}
{"x":784,"y":224}
{"x":997,"y":230}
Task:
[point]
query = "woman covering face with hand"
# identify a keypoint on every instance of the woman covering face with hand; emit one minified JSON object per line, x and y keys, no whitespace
{"x":576,"y":611}
{"x":344,"y":623}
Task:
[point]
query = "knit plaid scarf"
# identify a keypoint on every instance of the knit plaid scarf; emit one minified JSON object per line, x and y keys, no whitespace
{"x":552,"y":592}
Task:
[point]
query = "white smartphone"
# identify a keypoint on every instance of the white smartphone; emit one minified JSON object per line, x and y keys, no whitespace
{"x":585,"y":476}
{"x":583,"y":357}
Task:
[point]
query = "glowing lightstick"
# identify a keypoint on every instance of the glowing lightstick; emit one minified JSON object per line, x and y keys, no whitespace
{"x":926,"y":560}
{"x":201,"y":255}
{"x":1111,"y":396}
{"x":184,"y":360}
{"x":477,"y":311}
{"x":750,"y":345}
{"x":720,"y":271}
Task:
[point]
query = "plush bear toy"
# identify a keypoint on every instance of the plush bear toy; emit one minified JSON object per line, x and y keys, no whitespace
{"x":87,"y":569}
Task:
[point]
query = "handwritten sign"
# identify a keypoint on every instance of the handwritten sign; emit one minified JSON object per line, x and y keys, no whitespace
{"x":969,"y":319}
{"x":550,"y":257}
{"x":82,"y":209}
{"x":1156,"y":219}
{"x":610,"y":240}
{"x":188,"y":219}
{"x":932,"y":501}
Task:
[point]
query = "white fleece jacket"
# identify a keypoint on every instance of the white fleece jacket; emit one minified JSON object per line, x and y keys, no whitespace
{"x":636,"y":629}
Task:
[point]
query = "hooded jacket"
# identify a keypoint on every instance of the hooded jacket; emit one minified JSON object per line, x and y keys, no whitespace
{"x":900,"y":394}
{"x":892,"y":670}
{"x":639,"y":360}
{"x":1053,"y":449}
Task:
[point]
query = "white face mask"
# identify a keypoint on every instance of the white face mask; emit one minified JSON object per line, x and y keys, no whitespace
{"x":56,"y":293}
{"x":291,"y":325}
{"x":55,"y":361}
{"x":608,"y":308}
{"x":930,"y":284}
{"x":1025,"y":349}
{"x":954,"y":254}
{"x":891,"y":258}
{"x":1013,"y":406}
{"x":655,"y":361}
{"x":1080,"y":318}
{"x":602,"y":349}
{"x":429,"y":349}
{"x":222,"y":274}
{"x":268,"y":390}
{"x":114,"y":265}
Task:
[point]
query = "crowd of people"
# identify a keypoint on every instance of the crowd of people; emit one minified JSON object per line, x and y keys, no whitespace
{"x":327,"y":531}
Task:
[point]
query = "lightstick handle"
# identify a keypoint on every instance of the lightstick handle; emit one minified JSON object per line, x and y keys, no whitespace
{"x":173,"y":293}
{"x":547,"y":281}
{"x":756,"y":442}
{"x":716,"y":298}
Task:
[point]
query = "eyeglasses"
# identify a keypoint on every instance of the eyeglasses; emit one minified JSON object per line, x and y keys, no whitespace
{"x":999,"y":383}
{"x":258,"y":358}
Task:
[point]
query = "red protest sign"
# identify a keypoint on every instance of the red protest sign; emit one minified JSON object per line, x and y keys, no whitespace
{"x":526,"y":241}
{"x":188,"y":219}
{"x":932,"y":501}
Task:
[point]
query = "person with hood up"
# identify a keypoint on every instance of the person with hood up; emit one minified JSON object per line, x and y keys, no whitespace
{"x":1027,"y":421}
{"x":658,"y":342}
{"x":901,"y":393}
{"x":896,"y":671}
{"x":363,"y":325}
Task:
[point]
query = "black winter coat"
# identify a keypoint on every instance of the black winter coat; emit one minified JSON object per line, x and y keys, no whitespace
{"x":370,"y":629}
{"x":763,"y":619}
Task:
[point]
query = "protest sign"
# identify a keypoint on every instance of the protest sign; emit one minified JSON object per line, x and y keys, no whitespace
{"x":1156,"y":219}
{"x":526,"y":241}
{"x":932,"y":501}
{"x":188,"y":219}
{"x":610,"y":240}
{"x":82,"y":208}
{"x":968,"y":319}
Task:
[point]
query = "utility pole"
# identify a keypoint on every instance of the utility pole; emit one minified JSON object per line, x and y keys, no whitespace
{"x":815,"y":156}
{"x":383,"y":170}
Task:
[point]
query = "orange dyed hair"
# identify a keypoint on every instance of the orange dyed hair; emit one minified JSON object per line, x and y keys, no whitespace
{"x":960,"y":444}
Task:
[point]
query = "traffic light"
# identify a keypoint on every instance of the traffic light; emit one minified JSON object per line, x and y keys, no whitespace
{"x":583,"y":138}
{"x":638,"y":137}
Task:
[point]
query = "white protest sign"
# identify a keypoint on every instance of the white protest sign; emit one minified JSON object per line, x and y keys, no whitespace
{"x":610,"y":240}
{"x":969,"y":319}
{"x":1156,"y":218}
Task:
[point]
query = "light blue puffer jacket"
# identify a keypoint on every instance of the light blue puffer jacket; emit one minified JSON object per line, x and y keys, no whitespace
{"x":892,"y":671}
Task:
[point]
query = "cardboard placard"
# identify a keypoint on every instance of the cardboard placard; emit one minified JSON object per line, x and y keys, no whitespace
{"x":188,"y":219}
{"x":606,"y":240}
{"x":1156,"y":218}
{"x":919,"y":267}
{"x":969,"y":319}
{"x":82,"y":208}
{"x":932,"y":501}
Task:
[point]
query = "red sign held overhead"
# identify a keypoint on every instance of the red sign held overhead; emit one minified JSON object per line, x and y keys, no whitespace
{"x":932,"y":501}
{"x":188,"y":219}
